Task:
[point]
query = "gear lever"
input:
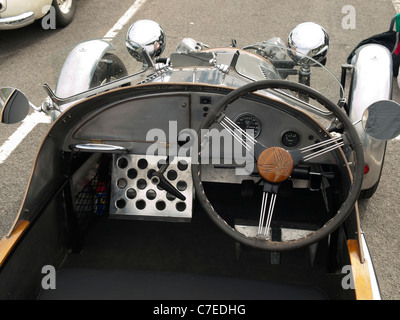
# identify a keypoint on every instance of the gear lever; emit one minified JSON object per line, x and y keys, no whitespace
{"x":158,"y":178}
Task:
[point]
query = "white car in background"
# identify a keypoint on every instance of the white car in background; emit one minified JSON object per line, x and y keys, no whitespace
{"x":20,"y":13}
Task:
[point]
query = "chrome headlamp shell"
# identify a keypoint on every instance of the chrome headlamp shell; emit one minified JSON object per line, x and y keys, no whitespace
{"x":308,"y":39}
{"x":145,"y":34}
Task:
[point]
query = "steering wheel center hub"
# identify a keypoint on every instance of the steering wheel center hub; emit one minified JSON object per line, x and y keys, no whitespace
{"x":275,"y":164}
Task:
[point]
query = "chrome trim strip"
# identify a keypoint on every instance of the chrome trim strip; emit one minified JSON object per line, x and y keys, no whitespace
{"x":16,"y":22}
{"x":99,"y":147}
{"x":108,"y":86}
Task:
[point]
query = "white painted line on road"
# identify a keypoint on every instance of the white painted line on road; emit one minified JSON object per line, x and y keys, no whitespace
{"x":124,"y":19}
{"x":23,"y":130}
{"x":37,"y":117}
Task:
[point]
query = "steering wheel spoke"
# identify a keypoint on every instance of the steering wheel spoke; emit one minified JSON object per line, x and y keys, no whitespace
{"x":321,"y":148}
{"x":246,"y":139}
{"x":256,"y":148}
{"x":265,"y":220}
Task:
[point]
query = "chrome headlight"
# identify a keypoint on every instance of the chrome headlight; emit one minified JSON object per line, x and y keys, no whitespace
{"x":145,"y":34}
{"x":308,"y":39}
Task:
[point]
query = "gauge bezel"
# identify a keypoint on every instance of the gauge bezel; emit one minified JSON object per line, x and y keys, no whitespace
{"x":255,"y":117}
{"x":290,"y":130}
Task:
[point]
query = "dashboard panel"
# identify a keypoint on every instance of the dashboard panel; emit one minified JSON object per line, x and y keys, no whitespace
{"x":162,"y":124}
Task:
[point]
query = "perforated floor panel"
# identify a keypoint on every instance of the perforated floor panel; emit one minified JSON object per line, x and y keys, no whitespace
{"x":135,"y":195}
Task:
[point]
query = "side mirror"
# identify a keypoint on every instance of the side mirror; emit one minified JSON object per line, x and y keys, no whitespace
{"x":14,"y":106}
{"x":381,"y":120}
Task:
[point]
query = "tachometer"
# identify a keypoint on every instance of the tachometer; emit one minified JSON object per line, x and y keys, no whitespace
{"x":248,"y":121}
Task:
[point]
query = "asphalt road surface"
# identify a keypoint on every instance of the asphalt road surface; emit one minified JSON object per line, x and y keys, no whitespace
{"x":25,"y":54}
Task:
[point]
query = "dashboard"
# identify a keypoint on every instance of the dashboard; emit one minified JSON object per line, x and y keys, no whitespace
{"x":162,"y":122}
{"x":147,"y":128}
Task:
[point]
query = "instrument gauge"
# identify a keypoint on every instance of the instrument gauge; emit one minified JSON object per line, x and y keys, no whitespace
{"x":249,"y":121}
{"x":290,"y":139}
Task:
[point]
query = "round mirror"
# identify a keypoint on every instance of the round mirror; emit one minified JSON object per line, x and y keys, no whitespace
{"x":381,"y":120}
{"x":14,"y":106}
{"x":308,"y":39}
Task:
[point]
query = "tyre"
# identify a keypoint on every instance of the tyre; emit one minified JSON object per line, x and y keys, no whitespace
{"x":368,"y":193}
{"x":65,"y":11}
{"x":109,"y":68}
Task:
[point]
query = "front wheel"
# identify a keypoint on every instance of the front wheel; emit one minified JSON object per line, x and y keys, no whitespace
{"x":65,"y":11}
{"x":109,"y":68}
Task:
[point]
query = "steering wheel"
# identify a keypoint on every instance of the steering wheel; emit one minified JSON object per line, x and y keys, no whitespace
{"x":275,"y":165}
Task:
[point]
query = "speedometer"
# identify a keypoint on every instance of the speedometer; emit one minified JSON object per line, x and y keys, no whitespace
{"x":248,"y":121}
